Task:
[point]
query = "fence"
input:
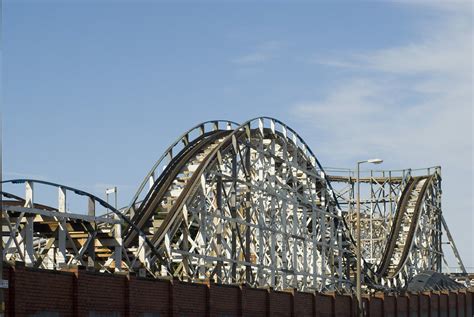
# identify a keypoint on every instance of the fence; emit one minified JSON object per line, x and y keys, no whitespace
{"x":35,"y":292}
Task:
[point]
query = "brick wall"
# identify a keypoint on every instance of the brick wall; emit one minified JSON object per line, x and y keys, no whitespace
{"x":254,"y":302}
{"x":443,"y":305}
{"x":149,"y":296}
{"x":304,"y":304}
{"x":434,"y":305}
{"x":375,"y":306}
{"x":80,"y":293}
{"x":38,"y":290}
{"x":324,"y":305}
{"x":281,"y":304}
{"x":101,"y":293}
{"x":413,"y":305}
{"x":452,"y":304}
{"x":342,"y":306}
{"x":469,"y":303}
{"x":189,"y":299}
{"x":461,"y":304}
{"x":389,"y":306}
{"x":224,"y":300}
{"x":402,"y":306}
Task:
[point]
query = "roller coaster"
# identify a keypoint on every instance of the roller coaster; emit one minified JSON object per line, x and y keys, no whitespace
{"x":241,"y":203}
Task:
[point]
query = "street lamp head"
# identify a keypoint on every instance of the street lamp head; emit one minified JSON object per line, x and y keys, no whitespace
{"x":375,"y":161}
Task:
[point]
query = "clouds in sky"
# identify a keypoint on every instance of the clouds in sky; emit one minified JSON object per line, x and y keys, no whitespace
{"x":411,"y":104}
{"x":399,"y":97}
{"x":262,"y":53}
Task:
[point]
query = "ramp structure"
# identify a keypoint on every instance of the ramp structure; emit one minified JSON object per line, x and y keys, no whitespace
{"x":241,"y":203}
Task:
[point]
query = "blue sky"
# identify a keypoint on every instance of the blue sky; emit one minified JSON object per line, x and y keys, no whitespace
{"x":94,"y":91}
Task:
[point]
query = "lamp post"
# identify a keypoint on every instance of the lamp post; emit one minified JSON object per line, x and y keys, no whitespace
{"x":359,"y":247}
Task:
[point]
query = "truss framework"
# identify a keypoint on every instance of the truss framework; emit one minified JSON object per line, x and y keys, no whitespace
{"x":246,"y":204}
{"x":259,"y":212}
{"x":53,"y":238}
{"x":380,"y":198}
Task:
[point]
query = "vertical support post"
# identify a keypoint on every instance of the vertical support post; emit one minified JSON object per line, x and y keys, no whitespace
{"x":91,"y":247}
{"x":372,"y":200}
{"x":118,"y":246}
{"x":29,"y":195}
{"x":248,"y":204}
{"x":358,"y":282}
{"x":390,"y":197}
{"x":219,"y":228}
{"x":117,"y":231}
{"x":233,"y":212}
{"x":91,"y":207}
{"x":141,"y":248}
{"x":151,"y":180}
{"x":351,"y":202}
{"x":273,"y":213}
{"x":61,"y":255}
{"x":314,"y":219}
{"x":439,"y":213}
{"x":203,"y":228}
{"x":324,"y":236}
{"x":185,"y":243}
{"x":27,"y":243}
